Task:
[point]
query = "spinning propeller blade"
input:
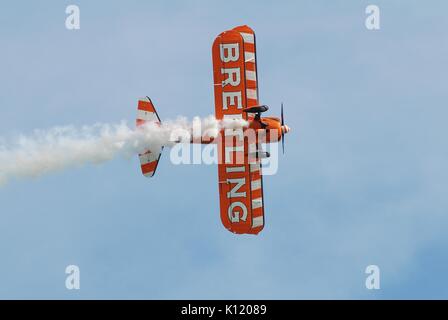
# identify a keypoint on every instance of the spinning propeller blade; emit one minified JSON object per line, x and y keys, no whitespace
{"x":283,"y":132}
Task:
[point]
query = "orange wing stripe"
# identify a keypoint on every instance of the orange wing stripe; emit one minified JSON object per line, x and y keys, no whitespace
{"x":145,"y":106}
{"x":149,"y":167}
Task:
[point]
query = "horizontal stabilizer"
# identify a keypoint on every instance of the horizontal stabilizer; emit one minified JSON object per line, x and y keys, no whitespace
{"x":149,"y":159}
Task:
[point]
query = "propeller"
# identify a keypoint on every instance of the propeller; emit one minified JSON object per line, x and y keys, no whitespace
{"x":283,"y":131}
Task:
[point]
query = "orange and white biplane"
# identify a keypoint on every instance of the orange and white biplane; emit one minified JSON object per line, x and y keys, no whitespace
{"x":236,"y":96}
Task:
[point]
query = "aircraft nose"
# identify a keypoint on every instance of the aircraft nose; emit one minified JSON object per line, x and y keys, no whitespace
{"x":286,"y":129}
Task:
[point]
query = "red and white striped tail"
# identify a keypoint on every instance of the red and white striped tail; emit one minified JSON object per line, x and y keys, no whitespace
{"x":150,"y":158}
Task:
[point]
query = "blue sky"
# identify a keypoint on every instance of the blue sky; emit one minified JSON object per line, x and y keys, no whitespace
{"x":363,"y":180}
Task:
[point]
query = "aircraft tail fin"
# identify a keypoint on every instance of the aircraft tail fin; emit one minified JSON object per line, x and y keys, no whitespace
{"x":149,"y":159}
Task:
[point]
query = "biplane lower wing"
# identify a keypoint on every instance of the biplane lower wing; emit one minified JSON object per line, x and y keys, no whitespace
{"x":239,"y":171}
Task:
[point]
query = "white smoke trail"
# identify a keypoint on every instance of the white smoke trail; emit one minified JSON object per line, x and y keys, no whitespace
{"x":59,"y":148}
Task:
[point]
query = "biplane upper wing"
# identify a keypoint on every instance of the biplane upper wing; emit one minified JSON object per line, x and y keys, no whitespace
{"x":235,"y":86}
{"x":149,"y":159}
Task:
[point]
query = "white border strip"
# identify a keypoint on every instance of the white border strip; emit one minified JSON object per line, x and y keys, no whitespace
{"x":257,"y":203}
{"x":255,"y":185}
{"x":248,"y":37}
{"x":257,"y":222}
{"x":251,"y":94}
